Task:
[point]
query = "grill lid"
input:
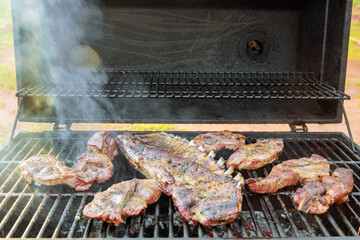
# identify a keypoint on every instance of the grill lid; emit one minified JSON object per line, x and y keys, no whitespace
{"x":181,"y":61}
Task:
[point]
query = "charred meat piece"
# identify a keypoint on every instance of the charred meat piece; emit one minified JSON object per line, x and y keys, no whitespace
{"x":290,"y":173}
{"x":256,"y":155}
{"x":316,"y":197}
{"x":181,"y":147}
{"x":46,"y":169}
{"x":199,"y":194}
{"x":216,"y":141}
{"x":102,"y":142}
{"x":147,"y":192}
{"x":96,"y":164}
{"x":108,"y":205}
{"x":97,"y":160}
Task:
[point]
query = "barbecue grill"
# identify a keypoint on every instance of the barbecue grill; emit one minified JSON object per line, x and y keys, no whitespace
{"x":182,"y":61}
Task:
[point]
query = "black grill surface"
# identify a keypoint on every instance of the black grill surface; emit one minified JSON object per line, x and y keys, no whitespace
{"x":30,"y":211}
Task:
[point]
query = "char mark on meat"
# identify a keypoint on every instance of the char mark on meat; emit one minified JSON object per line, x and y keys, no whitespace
{"x":199,"y":193}
{"x":102,"y":142}
{"x":147,"y":192}
{"x":97,"y":160}
{"x":93,"y":165}
{"x":256,"y":155}
{"x":291,"y":172}
{"x":108,"y":205}
{"x":46,"y":169}
{"x":181,"y":147}
{"x":216,"y":141}
{"x":316,"y":197}
{"x":96,"y":164}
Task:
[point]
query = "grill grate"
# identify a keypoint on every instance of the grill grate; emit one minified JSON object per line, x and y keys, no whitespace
{"x":190,"y":85}
{"x":29,"y":211}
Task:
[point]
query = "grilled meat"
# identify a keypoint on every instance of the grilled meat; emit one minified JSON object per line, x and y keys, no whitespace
{"x":290,"y":173}
{"x":199,"y":193}
{"x":108,"y":205}
{"x":102,"y":142}
{"x":93,"y":165}
{"x":216,"y":141}
{"x":256,"y":155}
{"x":46,"y":169}
{"x":316,"y":197}
{"x":181,"y":147}
{"x":96,"y":164}
{"x":147,"y":192}
{"x":97,"y":160}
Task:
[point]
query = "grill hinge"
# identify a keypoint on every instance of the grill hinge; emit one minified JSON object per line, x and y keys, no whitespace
{"x":62,"y":127}
{"x":298,"y":127}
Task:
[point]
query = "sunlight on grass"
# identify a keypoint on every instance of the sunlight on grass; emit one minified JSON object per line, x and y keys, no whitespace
{"x":7,"y":66}
{"x":7,"y":76}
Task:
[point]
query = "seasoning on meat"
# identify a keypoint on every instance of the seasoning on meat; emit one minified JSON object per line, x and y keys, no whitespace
{"x":108,"y":205}
{"x":291,"y":172}
{"x":256,"y":155}
{"x":46,"y":169}
{"x":97,"y":160}
{"x":96,"y":164}
{"x":316,"y":197}
{"x":101,"y":141}
{"x":199,"y":193}
{"x":216,"y":141}
{"x":147,"y":192}
{"x":181,"y":147}
{"x":93,"y":165}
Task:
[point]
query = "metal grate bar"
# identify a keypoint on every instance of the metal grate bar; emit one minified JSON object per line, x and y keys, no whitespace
{"x":347,"y":223}
{"x":270,"y":215}
{"x":21,"y":217}
{"x":4,"y":185}
{"x":356,"y":214}
{"x":13,"y":148}
{"x":272,"y":212}
{"x":303,"y":219}
{"x":349,"y":150}
{"x":357,"y":159}
{"x":322,"y":227}
{"x":292,"y":224}
{"x":242,"y":226}
{"x":64,"y":214}
{"x":171,"y":220}
{"x":324,"y":153}
{"x":49,"y":216}
{"x":196,"y":85}
{"x":88,"y":228}
{"x":10,"y":212}
{"x":157,"y":214}
{"x":334,"y":224}
{"x":35,"y":216}
{"x":257,"y":226}
{"x":77,"y":217}
{"x":330,"y":218}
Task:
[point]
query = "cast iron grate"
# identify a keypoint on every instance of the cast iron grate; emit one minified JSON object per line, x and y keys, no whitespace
{"x":30,"y":211}
{"x":208,"y":85}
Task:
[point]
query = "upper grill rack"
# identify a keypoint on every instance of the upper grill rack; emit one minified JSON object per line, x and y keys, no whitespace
{"x":191,"y":85}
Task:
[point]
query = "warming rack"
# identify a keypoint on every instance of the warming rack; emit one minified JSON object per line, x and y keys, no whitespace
{"x":189,"y":85}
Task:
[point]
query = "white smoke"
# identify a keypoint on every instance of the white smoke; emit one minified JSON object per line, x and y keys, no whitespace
{"x":54,"y":44}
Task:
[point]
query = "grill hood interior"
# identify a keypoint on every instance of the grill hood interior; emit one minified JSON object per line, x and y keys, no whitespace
{"x":181,"y":61}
